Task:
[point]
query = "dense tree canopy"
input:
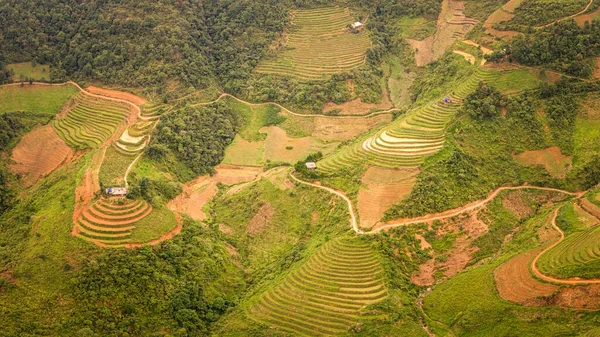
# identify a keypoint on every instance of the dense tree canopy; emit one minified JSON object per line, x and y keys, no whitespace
{"x":197,"y":135}
{"x":564,"y":46}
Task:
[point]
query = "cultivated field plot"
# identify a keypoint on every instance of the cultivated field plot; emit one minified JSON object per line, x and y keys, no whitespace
{"x":552,"y":159}
{"x":412,"y":137}
{"x":90,"y":122}
{"x":319,"y":44}
{"x":39,"y":153}
{"x":325,"y":296}
{"x":36,"y":98}
{"x":110,"y":222}
{"x":577,"y":254}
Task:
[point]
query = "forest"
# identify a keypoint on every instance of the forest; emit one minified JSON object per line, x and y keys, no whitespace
{"x":197,"y":135}
{"x":565,"y":47}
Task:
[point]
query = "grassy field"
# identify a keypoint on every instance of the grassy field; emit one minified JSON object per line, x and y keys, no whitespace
{"x":318,"y":45}
{"x":26,"y":70}
{"x":37,"y":99}
{"x":512,"y":81}
{"x":90,"y":122}
{"x":159,"y":222}
{"x":114,"y":166}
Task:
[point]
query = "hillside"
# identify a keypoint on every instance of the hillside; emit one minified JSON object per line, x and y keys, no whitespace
{"x":243,"y":168}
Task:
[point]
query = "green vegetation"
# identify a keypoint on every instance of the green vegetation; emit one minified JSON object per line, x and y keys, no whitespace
{"x":319,"y":44}
{"x":513,"y":81}
{"x":197,"y":136}
{"x":577,"y":256}
{"x":326,"y":294}
{"x":563,"y":47}
{"x":416,"y":28}
{"x":532,"y":13}
{"x":114,"y":166}
{"x":469,"y":303}
{"x":27,"y":70}
{"x":90,"y":122}
{"x":36,"y":99}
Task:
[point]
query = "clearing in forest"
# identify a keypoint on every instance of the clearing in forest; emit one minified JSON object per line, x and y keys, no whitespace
{"x":26,"y":70}
{"x":39,"y":153}
{"x":317,"y":45}
{"x":556,"y":163}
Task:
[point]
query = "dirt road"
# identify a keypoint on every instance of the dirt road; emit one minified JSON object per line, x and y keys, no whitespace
{"x":539,"y":274}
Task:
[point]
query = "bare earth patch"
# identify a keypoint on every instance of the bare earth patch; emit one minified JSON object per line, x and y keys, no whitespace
{"x":423,"y":50}
{"x":260,"y":220}
{"x":341,"y":129}
{"x":516,"y":284}
{"x":384,"y":187}
{"x":515,"y":203}
{"x":425,"y":275}
{"x":590,"y":207}
{"x":39,"y":153}
{"x":551,"y":158}
{"x":458,"y":256}
{"x":506,"y":13}
{"x":200,"y":191}
{"x":137,"y":100}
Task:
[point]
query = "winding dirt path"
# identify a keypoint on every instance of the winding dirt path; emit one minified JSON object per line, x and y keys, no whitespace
{"x":430,"y":217}
{"x":539,"y":274}
{"x":566,"y":18}
{"x":223,"y":95}
{"x":353,"y":221}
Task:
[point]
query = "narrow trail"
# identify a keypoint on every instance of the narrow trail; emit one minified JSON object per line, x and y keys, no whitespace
{"x":566,"y":18}
{"x":539,"y":274}
{"x":429,"y":217}
{"x":223,"y":95}
{"x":353,"y":221}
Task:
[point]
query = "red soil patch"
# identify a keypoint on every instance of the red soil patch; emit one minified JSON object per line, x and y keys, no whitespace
{"x":39,"y":153}
{"x":506,"y":13}
{"x":225,"y":229}
{"x":384,"y":187}
{"x":473,"y":226}
{"x":458,"y":256}
{"x":581,"y":297}
{"x":425,"y":275}
{"x":423,"y":243}
{"x":84,"y":193}
{"x":516,"y":204}
{"x":581,"y":19}
{"x":137,"y":100}
{"x":551,"y":158}
{"x":516,"y":284}
{"x":590,"y":207}
{"x":260,"y":220}
{"x":346,"y":128}
{"x":200,"y":191}
{"x":423,"y":50}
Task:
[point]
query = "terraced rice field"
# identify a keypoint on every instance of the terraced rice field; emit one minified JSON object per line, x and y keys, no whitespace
{"x":90,"y":122}
{"x":574,"y":253}
{"x":152,"y":111}
{"x":326,"y":295}
{"x":133,"y":141}
{"x":110,"y":222}
{"x":319,"y":44}
{"x":407,"y":141}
